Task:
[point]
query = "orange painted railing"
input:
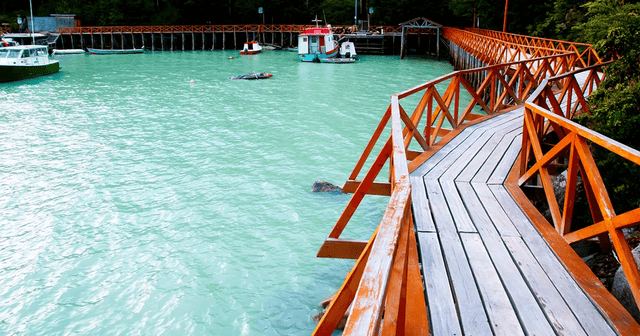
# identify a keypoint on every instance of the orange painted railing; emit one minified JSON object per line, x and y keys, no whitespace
{"x":495,"y":51}
{"x":588,"y":55}
{"x":386,"y":275}
{"x":257,"y":28}
{"x":547,"y":110}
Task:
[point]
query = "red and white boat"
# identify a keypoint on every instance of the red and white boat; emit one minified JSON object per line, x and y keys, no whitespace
{"x":317,"y":43}
{"x":251,"y":48}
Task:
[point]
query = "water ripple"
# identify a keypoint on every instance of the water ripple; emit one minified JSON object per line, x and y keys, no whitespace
{"x":135,"y":202}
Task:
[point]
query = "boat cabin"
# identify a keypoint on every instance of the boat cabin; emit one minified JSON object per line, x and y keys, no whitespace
{"x":24,"y":55}
{"x":317,"y":41}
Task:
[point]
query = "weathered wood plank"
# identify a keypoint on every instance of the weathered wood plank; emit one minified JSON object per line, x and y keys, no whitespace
{"x":420,"y":204}
{"x":489,"y":156}
{"x":455,"y":142}
{"x":487,"y":168}
{"x":460,"y":161}
{"x":498,"y":217}
{"x":501,"y":172}
{"x":456,"y":207}
{"x":443,"y":317}
{"x":496,"y":301}
{"x":561,"y":317}
{"x":475,"y":140}
{"x":464,"y":287}
{"x":531,"y":315}
{"x":442,"y":153}
{"x":589,"y":315}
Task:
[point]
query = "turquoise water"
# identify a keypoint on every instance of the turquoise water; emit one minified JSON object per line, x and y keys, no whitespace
{"x":133,"y":201}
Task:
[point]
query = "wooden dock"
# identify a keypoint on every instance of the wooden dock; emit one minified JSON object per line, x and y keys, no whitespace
{"x":384,"y":40}
{"x":487,"y":269}
{"x":460,"y":249}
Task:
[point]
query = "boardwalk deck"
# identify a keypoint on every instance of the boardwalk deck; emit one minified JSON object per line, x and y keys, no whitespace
{"x":486,"y":268}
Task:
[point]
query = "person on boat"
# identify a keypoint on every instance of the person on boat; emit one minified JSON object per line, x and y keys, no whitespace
{"x":23,"y":24}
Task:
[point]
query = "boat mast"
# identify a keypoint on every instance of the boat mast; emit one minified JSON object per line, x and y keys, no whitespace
{"x":33,"y":41}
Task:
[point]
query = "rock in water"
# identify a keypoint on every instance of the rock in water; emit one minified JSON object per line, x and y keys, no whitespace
{"x":324,"y":186}
{"x":622,"y":291}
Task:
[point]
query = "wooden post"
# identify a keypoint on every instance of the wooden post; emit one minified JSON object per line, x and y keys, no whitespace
{"x":506,"y":6}
{"x":172,"y":41}
{"x":402,"y":42}
{"x":235,"y":44}
{"x":223,"y":39}
{"x":182,"y":41}
{"x":438,"y":43}
{"x":202,"y":34}
{"x":193,"y":41}
{"x":213,"y":42}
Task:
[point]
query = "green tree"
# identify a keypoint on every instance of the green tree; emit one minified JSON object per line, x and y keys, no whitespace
{"x":614,"y":27}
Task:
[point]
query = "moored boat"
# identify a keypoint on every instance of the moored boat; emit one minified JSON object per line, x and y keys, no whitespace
{"x":27,"y":61}
{"x":68,"y":51}
{"x":337,"y":60}
{"x":251,"y":48}
{"x":261,"y":75}
{"x":317,"y":43}
{"x":115,"y":51}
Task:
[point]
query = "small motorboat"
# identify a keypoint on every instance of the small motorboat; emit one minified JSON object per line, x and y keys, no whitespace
{"x":262,"y":75}
{"x":68,"y":51}
{"x":115,"y":51}
{"x":251,"y":48}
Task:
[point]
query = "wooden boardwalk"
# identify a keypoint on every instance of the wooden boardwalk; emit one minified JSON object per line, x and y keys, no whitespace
{"x":486,"y":261}
{"x":486,"y":268}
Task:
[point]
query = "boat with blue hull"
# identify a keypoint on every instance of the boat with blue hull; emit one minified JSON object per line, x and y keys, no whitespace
{"x":317,"y":43}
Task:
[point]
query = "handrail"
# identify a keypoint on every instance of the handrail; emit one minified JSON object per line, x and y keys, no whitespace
{"x":585,"y":50}
{"x":495,"y":51}
{"x":258,"y":28}
{"x":549,"y":110}
{"x":387,"y":264}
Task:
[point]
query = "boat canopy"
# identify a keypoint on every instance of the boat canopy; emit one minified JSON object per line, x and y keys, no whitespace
{"x":23,"y":54}
{"x":317,"y":31}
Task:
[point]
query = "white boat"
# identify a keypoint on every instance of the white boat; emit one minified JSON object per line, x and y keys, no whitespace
{"x":68,"y":51}
{"x":338,"y":60}
{"x":26,"y":61}
{"x":348,"y":50}
{"x":251,"y":48}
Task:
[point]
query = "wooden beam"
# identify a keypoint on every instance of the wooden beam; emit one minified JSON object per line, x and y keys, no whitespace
{"x":341,"y":248}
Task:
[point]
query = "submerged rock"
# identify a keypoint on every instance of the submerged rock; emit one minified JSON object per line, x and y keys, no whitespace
{"x":325,"y":303}
{"x":324,"y":186}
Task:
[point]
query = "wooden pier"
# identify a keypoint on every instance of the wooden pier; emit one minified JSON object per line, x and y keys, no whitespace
{"x":460,"y":249}
{"x":382,"y":40}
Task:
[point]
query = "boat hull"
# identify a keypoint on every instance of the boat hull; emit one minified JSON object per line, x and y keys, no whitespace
{"x":336,"y":60}
{"x":68,"y":51}
{"x":10,"y":73}
{"x":318,"y":56}
{"x":115,"y":51}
